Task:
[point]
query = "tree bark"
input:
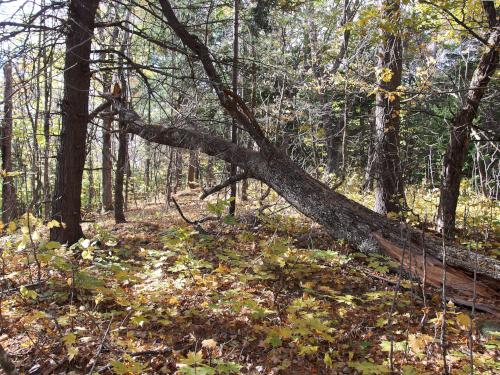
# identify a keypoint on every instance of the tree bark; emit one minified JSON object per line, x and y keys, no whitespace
{"x":121,"y":166}
{"x":8,"y":191}
{"x":66,"y":202}
{"x":107,"y":161}
{"x":234,"y":128}
{"x":46,"y":134}
{"x":454,"y":157}
{"x":389,"y":189}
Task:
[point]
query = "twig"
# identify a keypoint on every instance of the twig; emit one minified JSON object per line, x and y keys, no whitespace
{"x":231,"y":180}
{"x":195,"y":223}
{"x":96,"y":357}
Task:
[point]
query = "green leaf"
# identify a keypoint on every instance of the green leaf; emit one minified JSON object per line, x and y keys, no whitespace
{"x":193,"y":358}
{"x":27,"y":293}
{"x":369,"y":368}
{"x":398,"y":346}
{"x":227,"y":367}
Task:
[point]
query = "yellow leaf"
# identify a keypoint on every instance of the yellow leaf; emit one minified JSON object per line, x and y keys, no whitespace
{"x":328,"y":360}
{"x":12,"y":227}
{"x":173,"y":301}
{"x":464,"y":321}
{"x":72,"y":351}
{"x":418,"y":343}
{"x":53,"y":224}
{"x":69,"y":339}
{"x":26,"y":293}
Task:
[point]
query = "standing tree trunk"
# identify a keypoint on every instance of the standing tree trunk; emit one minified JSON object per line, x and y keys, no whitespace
{"x":389,"y":189}
{"x":460,"y":128}
{"x":234,"y":128}
{"x":8,"y":191}
{"x":46,"y":135}
{"x":193,"y":157}
{"x":122,"y":162}
{"x":107,"y":161}
{"x":121,"y":166}
{"x":66,"y":202}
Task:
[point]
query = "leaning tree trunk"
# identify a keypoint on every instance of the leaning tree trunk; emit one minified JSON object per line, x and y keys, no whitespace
{"x":389,"y":190}
{"x":66,"y":201}
{"x":8,"y":191}
{"x":454,"y":157}
{"x":340,"y":216}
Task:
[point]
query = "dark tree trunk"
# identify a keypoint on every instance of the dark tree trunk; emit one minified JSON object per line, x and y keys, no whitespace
{"x":121,"y":168}
{"x":234,"y":128}
{"x":460,"y":131}
{"x":66,"y":202}
{"x":46,"y":135}
{"x":107,"y":161}
{"x":8,"y":191}
{"x":389,"y":189}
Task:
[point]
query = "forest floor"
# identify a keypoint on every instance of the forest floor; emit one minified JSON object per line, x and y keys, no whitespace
{"x":273,"y":295}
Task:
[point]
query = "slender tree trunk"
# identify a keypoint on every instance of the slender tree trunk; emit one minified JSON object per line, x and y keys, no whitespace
{"x":147,"y":167}
{"x":66,"y":202}
{"x":179,"y":162}
{"x":460,"y":130}
{"x":192,"y":168}
{"x":46,"y":135}
{"x":121,"y":166}
{"x":169,"y":177}
{"x":91,"y":190}
{"x":8,"y":191}
{"x":122,"y":162}
{"x":389,"y":189}
{"x":107,"y":161}
{"x":234,"y":128}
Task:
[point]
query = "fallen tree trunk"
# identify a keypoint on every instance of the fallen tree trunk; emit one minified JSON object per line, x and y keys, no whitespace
{"x":341,"y":217}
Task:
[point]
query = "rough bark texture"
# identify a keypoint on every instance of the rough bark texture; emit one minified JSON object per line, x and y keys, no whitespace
{"x":107,"y":161}
{"x":389,"y":189}
{"x":8,"y":190}
{"x":234,"y":78}
{"x":454,"y":157}
{"x":46,"y":135}
{"x":121,"y":165}
{"x":66,"y":200}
